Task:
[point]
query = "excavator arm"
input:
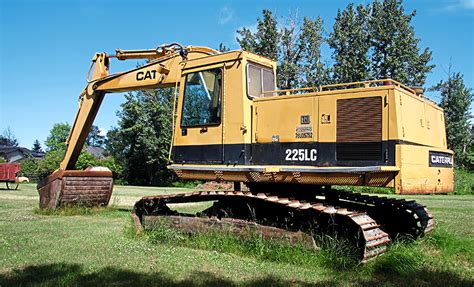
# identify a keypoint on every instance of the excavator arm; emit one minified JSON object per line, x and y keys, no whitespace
{"x":163,"y":69}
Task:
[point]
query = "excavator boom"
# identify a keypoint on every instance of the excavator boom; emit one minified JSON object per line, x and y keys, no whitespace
{"x":94,"y":187}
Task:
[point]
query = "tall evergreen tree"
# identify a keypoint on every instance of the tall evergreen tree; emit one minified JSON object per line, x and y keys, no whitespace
{"x":472,"y":133}
{"x":289,"y":63}
{"x":37,"y":146}
{"x":350,"y":42}
{"x":297,"y":49}
{"x":247,"y":40}
{"x":267,"y":36}
{"x":395,"y":51}
{"x":95,"y":138}
{"x":265,"y":41}
{"x":456,"y":99}
{"x":313,"y":71}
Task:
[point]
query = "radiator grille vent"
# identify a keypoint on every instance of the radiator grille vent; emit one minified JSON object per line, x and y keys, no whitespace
{"x":359,"y":129}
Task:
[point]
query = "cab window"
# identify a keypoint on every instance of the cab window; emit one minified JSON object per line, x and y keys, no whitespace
{"x":259,"y":80}
{"x":202,"y":98}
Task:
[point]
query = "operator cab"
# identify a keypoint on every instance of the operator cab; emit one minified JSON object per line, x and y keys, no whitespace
{"x":215,"y":107}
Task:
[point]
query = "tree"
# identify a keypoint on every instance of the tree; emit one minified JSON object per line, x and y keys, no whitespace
{"x":57,"y":137}
{"x":288,"y":70}
{"x":56,"y":147}
{"x":223,"y":48}
{"x":267,"y":36}
{"x":472,"y":133}
{"x":53,"y":158}
{"x":456,"y":99}
{"x":395,"y":51}
{"x":37,"y":146}
{"x":350,"y":43}
{"x":142,"y":139}
{"x":314,"y":72}
{"x":60,"y":132}
{"x":8,"y":138}
{"x":95,"y":138}
{"x":296,"y":48}
{"x":265,"y":41}
{"x":29,"y":168}
{"x":247,"y":40}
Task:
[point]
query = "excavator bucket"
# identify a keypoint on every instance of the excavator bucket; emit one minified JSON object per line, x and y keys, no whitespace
{"x":90,"y":187}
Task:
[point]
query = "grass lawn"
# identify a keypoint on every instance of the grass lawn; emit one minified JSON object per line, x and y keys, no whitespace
{"x":98,"y":249}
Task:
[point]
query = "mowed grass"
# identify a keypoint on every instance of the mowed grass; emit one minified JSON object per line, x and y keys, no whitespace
{"x":98,"y":247}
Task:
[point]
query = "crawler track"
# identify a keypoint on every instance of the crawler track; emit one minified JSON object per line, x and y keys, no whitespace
{"x":270,"y":210}
{"x":397,"y":217}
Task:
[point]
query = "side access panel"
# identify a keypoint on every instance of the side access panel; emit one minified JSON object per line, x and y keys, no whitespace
{"x":284,"y":131}
{"x":424,"y":170}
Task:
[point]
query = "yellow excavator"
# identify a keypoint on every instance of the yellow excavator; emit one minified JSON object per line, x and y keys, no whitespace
{"x":284,"y":150}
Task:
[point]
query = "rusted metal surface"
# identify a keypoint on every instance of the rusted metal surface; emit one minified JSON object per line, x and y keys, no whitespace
{"x":421,"y":190}
{"x":238,"y":227}
{"x":87,"y":188}
{"x":271,"y":210}
{"x":379,"y":179}
{"x":58,"y":174}
{"x":8,"y":173}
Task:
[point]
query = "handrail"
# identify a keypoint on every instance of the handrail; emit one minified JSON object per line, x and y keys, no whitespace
{"x":351,"y":85}
{"x":288,"y":91}
{"x":369,"y":83}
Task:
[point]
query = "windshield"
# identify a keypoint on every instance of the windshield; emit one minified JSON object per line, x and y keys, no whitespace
{"x":202,"y":96}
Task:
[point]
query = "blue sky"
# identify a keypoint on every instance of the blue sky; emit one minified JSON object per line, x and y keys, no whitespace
{"x":46,"y":46}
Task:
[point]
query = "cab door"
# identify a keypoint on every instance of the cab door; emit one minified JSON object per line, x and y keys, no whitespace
{"x":199,"y":137}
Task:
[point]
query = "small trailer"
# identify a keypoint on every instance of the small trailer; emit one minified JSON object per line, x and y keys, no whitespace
{"x":8,"y":173}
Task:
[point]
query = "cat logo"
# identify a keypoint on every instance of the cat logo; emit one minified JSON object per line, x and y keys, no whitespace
{"x":146,"y":75}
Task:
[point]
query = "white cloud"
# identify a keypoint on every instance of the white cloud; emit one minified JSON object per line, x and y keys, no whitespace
{"x":469,"y":4}
{"x":459,"y":5}
{"x":225,"y":15}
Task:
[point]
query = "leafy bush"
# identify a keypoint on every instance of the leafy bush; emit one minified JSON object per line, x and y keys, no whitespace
{"x":113,"y":165}
{"x":86,"y":160}
{"x":53,"y":158}
{"x":463,"y":182}
{"x":29,"y":168}
{"x":50,"y":163}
